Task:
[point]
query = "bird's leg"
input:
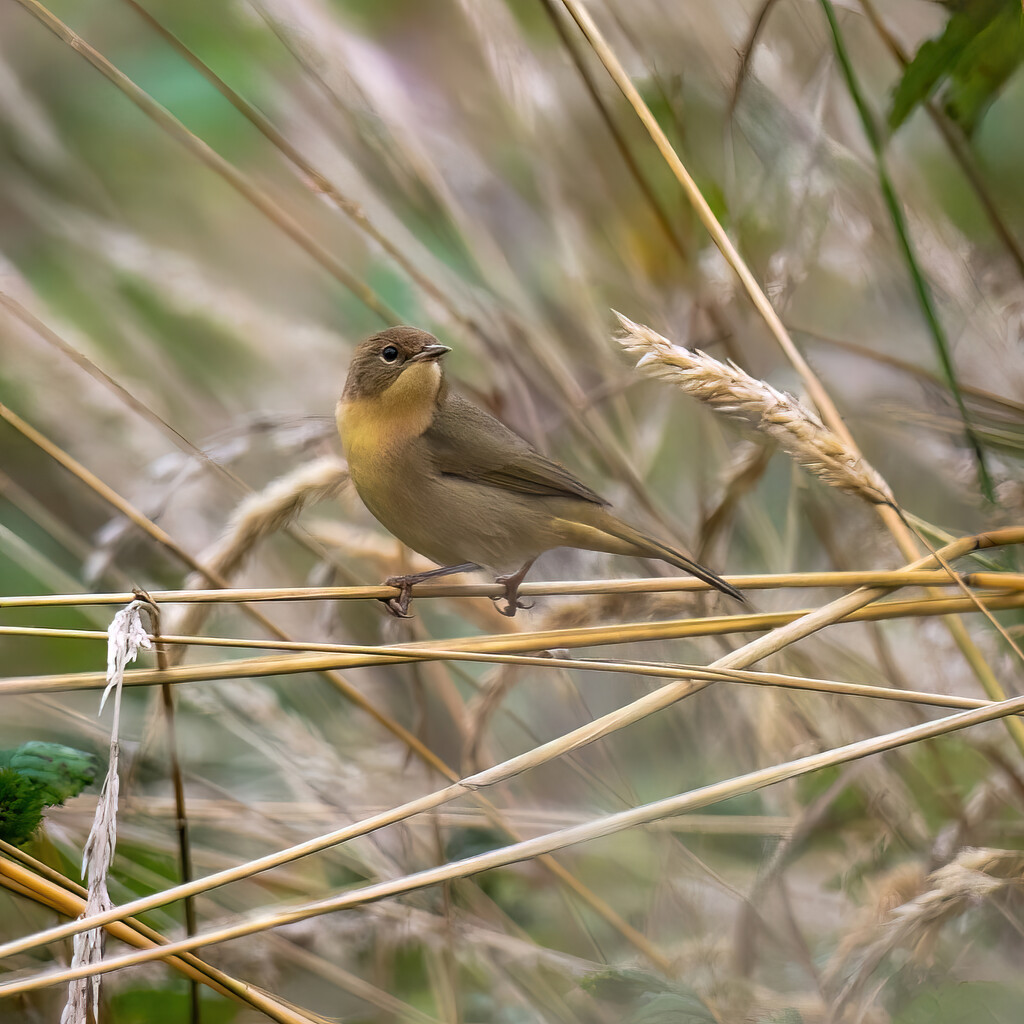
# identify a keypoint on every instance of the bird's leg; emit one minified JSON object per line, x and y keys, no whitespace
{"x":399,"y":606}
{"x":511,"y":582}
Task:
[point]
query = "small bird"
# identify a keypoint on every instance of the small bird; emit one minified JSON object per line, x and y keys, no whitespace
{"x":455,"y":484}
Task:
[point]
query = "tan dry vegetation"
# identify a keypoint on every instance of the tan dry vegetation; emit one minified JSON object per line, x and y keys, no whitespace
{"x":632,"y":799}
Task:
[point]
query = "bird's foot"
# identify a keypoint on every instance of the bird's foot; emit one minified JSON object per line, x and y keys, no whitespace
{"x":511,"y":582}
{"x":399,"y":606}
{"x":511,"y":606}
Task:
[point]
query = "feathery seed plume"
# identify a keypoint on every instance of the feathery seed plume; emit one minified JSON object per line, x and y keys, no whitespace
{"x":726,"y":388}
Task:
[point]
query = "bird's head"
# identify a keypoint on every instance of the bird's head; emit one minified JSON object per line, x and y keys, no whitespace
{"x":399,"y":362}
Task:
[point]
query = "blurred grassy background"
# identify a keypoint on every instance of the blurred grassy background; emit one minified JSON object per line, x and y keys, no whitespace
{"x":225,"y":296}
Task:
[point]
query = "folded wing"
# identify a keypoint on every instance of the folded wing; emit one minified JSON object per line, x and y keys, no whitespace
{"x":467,"y":442}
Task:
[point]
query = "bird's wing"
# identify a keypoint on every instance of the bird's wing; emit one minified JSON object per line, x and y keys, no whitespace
{"x":467,"y":442}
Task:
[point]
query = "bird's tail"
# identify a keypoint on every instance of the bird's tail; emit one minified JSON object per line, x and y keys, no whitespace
{"x":646,"y":545}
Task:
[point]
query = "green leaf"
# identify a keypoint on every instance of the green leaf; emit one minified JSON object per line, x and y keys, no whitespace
{"x":980,"y":1002}
{"x":622,"y":985}
{"x":981,"y":46}
{"x":673,"y":1008}
{"x":54,"y":771}
{"x":21,"y":809}
{"x":657,"y":1001}
{"x":160,"y":1006}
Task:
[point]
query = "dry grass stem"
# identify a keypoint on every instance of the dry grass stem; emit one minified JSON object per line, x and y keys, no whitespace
{"x":596,"y":829}
{"x":747,"y":465}
{"x":374,"y":806}
{"x":38,"y":883}
{"x":542,"y":754}
{"x":729,"y":390}
{"x":500,"y":643}
{"x":1008,"y":581}
{"x":277,"y":505}
{"x":887,"y":510}
{"x":262,"y":515}
{"x":214,"y":161}
{"x":126,"y":508}
{"x":384,"y":655}
{"x":251,"y":818}
{"x":613,"y":65}
{"x":352,"y":983}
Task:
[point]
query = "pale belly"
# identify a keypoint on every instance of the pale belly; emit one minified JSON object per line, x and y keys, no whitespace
{"x":451,"y":520}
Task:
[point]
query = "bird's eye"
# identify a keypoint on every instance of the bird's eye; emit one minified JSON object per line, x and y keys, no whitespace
{"x":389,"y":354}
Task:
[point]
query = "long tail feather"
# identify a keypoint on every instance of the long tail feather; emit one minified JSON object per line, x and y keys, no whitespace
{"x":651,"y":546}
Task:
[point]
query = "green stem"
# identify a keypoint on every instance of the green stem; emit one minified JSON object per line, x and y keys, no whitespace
{"x":924,"y":295}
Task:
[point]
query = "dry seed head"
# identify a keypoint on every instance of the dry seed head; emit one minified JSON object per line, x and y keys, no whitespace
{"x":729,"y":390}
{"x":269,"y":511}
{"x":968,"y":881}
{"x":258,"y":516}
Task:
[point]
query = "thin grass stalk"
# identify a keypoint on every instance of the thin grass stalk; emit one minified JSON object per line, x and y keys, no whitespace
{"x":993,"y":621}
{"x":501,"y":643}
{"x":397,"y":655}
{"x":799,"y":432}
{"x":52,"y":338}
{"x":596,"y":829}
{"x":958,"y":146}
{"x":37,"y":511}
{"x":673,"y":237}
{"x":261,"y":515}
{"x":311,"y":178}
{"x":1004,"y":404}
{"x":746,"y":466}
{"x":603,"y":726}
{"x":215,"y":162}
{"x":109,"y":495}
{"x":420,"y":749}
{"x":747,"y":53}
{"x":904,"y":538}
{"x":148,"y":415}
{"x":38,"y":565}
{"x":351,"y":983}
{"x":704,"y":212}
{"x":899,"y":223}
{"x":656,"y":670}
{"x":538,"y":818}
{"x":38,"y":882}
{"x":986,"y":580}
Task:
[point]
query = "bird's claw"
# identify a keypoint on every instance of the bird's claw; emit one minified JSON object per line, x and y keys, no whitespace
{"x":512,"y":602}
{"x":511,"y":607}
{"x":399,"y":606}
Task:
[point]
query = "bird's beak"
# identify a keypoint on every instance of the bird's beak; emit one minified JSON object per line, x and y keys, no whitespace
{"x":429,"y":352}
